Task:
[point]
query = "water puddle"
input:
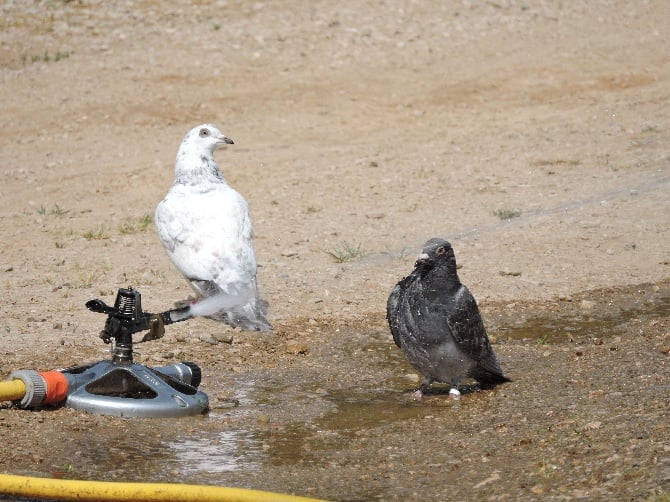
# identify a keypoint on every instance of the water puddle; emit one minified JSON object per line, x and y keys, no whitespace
{"x":317,"y":423}
{"x":224,"y":452}
{"x":289,"y":419}
{"x":602,"y":317}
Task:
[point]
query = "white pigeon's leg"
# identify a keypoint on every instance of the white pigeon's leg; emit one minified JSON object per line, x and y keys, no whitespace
{"x":185,"y":303}
{"x":418,"y":393}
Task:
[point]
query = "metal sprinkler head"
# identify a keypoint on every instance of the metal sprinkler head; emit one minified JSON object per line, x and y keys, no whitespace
{"x":127,"y":318}
{"x":123,"y":388}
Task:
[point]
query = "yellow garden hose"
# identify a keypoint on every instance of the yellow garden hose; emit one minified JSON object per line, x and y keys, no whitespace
{"x":12,"y":390}
{"x":60,"y":489}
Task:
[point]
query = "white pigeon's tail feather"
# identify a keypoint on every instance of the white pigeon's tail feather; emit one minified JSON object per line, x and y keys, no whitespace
{"x":241,"y":310}
{"x":217,"y":303}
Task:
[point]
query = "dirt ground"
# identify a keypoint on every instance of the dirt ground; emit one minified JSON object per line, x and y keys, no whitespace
{"x":531,"y":134}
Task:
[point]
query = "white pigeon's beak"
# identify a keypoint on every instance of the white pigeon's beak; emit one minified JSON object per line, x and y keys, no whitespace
{"x":226,"y":140}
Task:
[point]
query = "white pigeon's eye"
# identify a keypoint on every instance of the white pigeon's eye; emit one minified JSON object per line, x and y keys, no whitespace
{"x":440,"y":250}
{"x":204,"y":132}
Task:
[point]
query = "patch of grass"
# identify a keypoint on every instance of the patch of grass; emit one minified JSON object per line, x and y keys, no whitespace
{"x":85,"y":280}
{"x":55,"y":211}
{"x":135,"y":225}
{"x":507,"y":214}
{"x":659,"y":495}
{"x":345,"y":252}
{"x":312,"y":210}
{"x":46,"y":57}
{"x":548,"y":470}
{"x":95,"y":235}
{"x":58,"y":211}
{"x":158,"y":274}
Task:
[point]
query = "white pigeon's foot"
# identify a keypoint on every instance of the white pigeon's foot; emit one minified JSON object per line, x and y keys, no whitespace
{"x":417,"y":395}
{"x":185,"y":303}
{"x":454,"y":392}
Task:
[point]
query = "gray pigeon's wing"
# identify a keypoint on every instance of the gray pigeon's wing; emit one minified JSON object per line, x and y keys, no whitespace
{"x":392,"y":313}
{"x":399,"y":310}
{"x":466,"y":325}
{"x":454,"y":312}
{"x":467,"y":328}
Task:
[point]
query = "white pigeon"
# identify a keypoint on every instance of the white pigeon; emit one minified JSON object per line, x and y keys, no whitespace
{"x":205,"y":228}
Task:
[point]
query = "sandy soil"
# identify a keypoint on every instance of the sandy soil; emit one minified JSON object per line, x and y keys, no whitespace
{"x":366,"y":126}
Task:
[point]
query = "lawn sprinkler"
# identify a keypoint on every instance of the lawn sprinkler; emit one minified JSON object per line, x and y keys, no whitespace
{"x":120,"y":386}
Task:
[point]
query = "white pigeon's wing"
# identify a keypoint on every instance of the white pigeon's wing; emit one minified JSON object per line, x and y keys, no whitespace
{"x":208,"y":235}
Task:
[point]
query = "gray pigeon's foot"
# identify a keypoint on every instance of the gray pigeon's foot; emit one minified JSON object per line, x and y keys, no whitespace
{"x":418,"y":393}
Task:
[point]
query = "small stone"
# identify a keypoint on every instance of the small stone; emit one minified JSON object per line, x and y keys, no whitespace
{"x":57,"y":325}
{"x":587,"y":305}
{"x":592,"y":426}
{"x":513,"y":273}
{"x":295,"y":347}
{"x":223,"y":337}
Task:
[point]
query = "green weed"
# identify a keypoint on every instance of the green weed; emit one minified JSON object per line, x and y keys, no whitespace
{"x":507,"y":214}
{"x":345,"y":252}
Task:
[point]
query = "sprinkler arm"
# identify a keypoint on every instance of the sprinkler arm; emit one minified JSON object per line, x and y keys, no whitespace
{"x":121,"y":326}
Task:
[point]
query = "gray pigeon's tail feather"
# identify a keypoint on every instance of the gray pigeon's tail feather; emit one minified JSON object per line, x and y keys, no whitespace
{"x":487,"y":377}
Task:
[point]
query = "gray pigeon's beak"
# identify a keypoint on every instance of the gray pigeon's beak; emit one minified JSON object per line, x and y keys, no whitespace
{"x":422,"y":259}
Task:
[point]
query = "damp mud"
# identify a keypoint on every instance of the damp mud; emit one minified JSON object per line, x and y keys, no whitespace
{"x":584,"y":417}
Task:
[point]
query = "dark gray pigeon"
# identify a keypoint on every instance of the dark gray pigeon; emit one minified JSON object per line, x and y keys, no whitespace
{"x":434,"y":319}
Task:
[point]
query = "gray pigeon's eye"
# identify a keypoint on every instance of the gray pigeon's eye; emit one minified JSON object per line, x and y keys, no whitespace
{"x":440,"y":250}
{"x":204,"y":132}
